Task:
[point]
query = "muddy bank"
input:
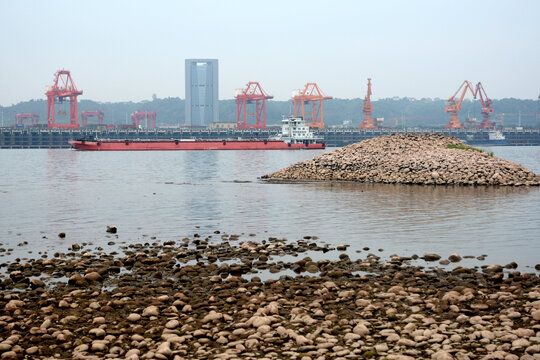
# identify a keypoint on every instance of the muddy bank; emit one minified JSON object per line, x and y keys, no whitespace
{"x":410,"y":159}
{"x":199,"y":298}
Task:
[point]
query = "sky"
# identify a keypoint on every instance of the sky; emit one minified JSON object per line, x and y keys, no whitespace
{"x":130,"y":50}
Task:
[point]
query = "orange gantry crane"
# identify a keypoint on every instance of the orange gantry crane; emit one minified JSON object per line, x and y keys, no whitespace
{"x":367,"y":109}
{"x":487,"y":109}
{"x":314,"y":95}
{"x":20,"y":118}
{"x":140,"y":116}
{"x":62,"y":89}
{"x":92,"y":113}
{"x":252,"y":94}
{"x":454,"y":106}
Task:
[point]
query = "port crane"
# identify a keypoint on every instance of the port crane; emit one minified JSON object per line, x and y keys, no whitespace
{"x":367,"y":108}
{"x":454,"y":106}
{"x":142,"y":115}
{"x":487,"y":109}
{"x":92,"y":113}
{"x":63,"y":89}
{"x":252,"y":94}
{"x":20,"y":118}
{"x":314,"y":95}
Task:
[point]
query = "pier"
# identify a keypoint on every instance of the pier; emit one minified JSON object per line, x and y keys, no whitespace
{"x":36,"y":138}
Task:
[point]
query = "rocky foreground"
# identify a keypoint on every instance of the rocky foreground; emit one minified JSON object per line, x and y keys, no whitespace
{"x":195,"y":299}
{"x":410,"y":159}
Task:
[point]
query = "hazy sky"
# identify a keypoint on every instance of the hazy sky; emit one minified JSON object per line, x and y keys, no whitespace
{"x":129,"y":50}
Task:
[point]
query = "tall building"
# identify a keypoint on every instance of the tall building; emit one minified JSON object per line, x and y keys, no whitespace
{"x":202,"y":92}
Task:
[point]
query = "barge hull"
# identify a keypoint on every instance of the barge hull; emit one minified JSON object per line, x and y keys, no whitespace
{"x":130,"y":145}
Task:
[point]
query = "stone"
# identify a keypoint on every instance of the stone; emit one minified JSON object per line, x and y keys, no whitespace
{"x":77,"y":280}
{"x":98,"y":320}
{"x":133,"y":317}
{"x":32,"y":350}
{"x":442,"y":355}
{"x":13,"y":305}
{"x":97,"y":332}
{"x":151,"y":310}
{"x":10,"y":355}
{"x":361,"y":330}
{"x":98,"y":346}
{"x":212,"y":316}
{"x":406,"y":342}
{"x":172,"y":324}
{"x":112,"y":229}
{"x":454,"y":258}
{"x":431,"y":257}
{"x":93,"y":276}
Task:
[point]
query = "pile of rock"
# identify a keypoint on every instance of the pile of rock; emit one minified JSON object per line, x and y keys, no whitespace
{"x":410,"y":159}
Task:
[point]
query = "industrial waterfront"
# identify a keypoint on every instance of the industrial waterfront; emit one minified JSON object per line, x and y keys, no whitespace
{"x":33,"y":138}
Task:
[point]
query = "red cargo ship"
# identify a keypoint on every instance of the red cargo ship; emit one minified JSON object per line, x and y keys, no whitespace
{"x":295,"y":135}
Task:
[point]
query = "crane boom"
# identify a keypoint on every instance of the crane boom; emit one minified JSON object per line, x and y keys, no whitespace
{"x":367,"y":109}
{"x":453,"y":107}
{"x":487,"y":109}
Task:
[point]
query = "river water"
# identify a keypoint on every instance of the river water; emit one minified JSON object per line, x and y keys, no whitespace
{"x":171,"y":195}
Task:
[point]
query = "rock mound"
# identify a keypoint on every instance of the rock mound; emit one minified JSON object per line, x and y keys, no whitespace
{"x":410,"y":159}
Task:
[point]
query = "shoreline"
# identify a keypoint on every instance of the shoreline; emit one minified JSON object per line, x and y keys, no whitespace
{"x":190,"y":299}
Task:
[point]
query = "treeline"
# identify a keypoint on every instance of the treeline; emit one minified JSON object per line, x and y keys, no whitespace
{"x":401,"y":112}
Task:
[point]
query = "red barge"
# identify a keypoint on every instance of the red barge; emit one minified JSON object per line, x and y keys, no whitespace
{"x":295,"y":135}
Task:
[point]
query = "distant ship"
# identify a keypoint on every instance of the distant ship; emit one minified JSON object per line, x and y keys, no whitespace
{"x":295,"y":135}
{"x":495,"y":137}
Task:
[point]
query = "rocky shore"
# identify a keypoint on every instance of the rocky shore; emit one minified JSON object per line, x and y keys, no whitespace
{"x":222,"y":298}
{"x":410,"y":159}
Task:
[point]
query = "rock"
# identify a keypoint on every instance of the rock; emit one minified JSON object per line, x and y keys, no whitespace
{"x":77,"y":280}
{"x":406,"y":342}
{"x":257,"y":321}
{"x":454,"y":258}
{"x":10,"y":355}
{"x":36,"y":283}
{"x":133,"y":317}
{"x":164,"y":349}
{"x":151,"y":310}
{"x":93,"y":276}
{"x":361,"y":330}
{"x":112,"y":229}
{"x":98,"y":346}
{"x":32,"y":350}
{"x":452,"y":297}
{"x":62,"y":235}
{"x":263,"y":329}
{"x":442,"y":355}
{"x":13,"y":305}
{"x":212,"y":316}
{"x":520,"y":343}
{"x":172,"y":324}
{"x":97,"y":332}
{"x":98,"y":320}
{"x":431,"y":257}
{"x":75,"y":247}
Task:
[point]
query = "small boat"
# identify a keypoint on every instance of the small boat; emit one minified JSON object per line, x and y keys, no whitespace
{"x":295,"y":135}
{"x":494,"y":137}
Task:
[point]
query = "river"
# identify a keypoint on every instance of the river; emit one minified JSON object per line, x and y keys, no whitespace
{"x":170,"y":195}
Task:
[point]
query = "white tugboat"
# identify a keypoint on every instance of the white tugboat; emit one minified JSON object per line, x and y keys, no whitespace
{"x":296,"y":131}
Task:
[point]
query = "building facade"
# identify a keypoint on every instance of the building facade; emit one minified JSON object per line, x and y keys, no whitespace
{"x":202,"y":92}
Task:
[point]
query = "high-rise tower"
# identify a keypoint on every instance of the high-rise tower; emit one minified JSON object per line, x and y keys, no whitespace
{"x":202,"y":92}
